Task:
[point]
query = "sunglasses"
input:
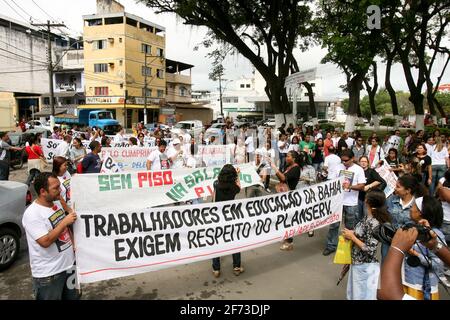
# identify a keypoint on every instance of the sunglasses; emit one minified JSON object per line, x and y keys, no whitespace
{"x":345,"y":160}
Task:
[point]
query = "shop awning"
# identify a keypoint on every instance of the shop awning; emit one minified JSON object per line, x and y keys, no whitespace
{"x":117,"y":106}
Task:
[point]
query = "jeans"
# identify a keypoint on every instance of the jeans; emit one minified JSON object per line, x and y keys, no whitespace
{"x":282,"y":162}
{"x":236,"y":262}
{"x":384,"y":251}
{"x":4,"y":170}
{"x":446,"y":231}
{"x":55,"y":287}
{"x":437,"y":172}
{"x":318,"y":166}
{"x":33,"y":174}
{"x":363,"y":281}
{"x":362,"y":211}
{"x":349,"y":216}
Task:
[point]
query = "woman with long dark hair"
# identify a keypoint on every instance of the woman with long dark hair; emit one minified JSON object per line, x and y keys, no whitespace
{"x":364,"y":271}
{"x":36,"y":159}
{"x":290,"y":177}
{"x":421,"y":281}
{"x":425,"y":164}
{"x":226,"y":188}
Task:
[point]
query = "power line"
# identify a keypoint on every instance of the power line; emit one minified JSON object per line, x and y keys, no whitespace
{"x":22,"y":71}
{"x":21,"y":9}
{"x":15,"y":10}
{"x":23,"y":56}
{"x":17,"y":48}
{"x":45,"y":12}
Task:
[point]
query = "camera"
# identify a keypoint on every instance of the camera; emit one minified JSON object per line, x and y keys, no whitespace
{"x":385,"y":232}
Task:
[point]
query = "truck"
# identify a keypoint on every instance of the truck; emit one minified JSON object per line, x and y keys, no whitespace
{"x":102,"y":119}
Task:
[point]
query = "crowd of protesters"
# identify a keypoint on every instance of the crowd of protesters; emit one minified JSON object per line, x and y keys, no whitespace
{"x":290,"y":158}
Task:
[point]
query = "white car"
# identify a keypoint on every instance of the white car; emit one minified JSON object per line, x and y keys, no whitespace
{"x":37,"y":124}
{"x":193,"y":127}
{"x":13,"y":199}
{"x":214,"y":130}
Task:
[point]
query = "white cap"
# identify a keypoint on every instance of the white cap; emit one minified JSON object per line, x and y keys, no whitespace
{"x":176,"y":141}
{"x":419,"y":202}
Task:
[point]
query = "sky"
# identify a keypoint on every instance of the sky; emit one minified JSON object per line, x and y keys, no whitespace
{"x":181,"y":40}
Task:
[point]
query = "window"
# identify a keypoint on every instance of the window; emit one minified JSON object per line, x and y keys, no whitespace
{"x":160,"y":73}
{"x":160,"y":52}
{"x":120,"y":40}
{"x":101,"y":91}
{"x":242,"y":85}
{"x":149,"y":92}
{"x":92,"y":116}
{"x":247,"y":85}
{"x":100,"y":67}
{"x":160,"y":93}
{"x":146,"y":71}
{"x":145,"y":48}
{"x":236,"y":100}
{"x":100,"y":45}
{"x":183,"y":91}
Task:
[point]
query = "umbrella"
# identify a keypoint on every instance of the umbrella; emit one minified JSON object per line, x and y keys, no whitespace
{"x":343,"y":273}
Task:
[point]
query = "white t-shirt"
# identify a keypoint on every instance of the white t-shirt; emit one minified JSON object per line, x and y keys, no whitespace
{"x":38,"y":221}
{"x":318,"y":136}
{"x":249,"y":144}
{"x":393,"y":142}
{"x":159,"y":160}
{"x":349,"y":141}
{"x":335,"y":141}
{"x":438,"y":157}
{"x":294,"y":147}
{"x":65,"y":186}
{"x":430,"y":149}
{"x":333,"y":163}
{"x":355,"y":175}
{"x":191,"y":162}
{"x":178,"y":162}
{"x":283,"y":146}
{"x":445,"y":205}
{"x":118,"y":138}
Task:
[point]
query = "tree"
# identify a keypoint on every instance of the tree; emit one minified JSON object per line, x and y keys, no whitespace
{"x":351,"y":45}
{"x":217,"y":74}
{"x":252,"y":27}
{"x":408,"y":27}
{"x":372,"y":91}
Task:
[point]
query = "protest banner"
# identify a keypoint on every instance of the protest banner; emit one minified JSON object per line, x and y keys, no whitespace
{"x":145,"y":189}
{"x":53,"y":148}
{"x":129,"y":159}
{"x":109,"y":165}
{"x":117,"y":243}
{"x":213,"y":155}
{"x":388,"y":176}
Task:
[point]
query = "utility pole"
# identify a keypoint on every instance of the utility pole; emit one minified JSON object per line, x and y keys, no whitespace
{"x":49,"y":26}
{"x":145,"y":90}
{"x":220,"y":95}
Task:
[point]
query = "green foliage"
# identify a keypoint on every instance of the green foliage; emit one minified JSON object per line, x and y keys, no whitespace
{"x":443,"y":98}
{"x":430,"y":130}
{"x":326,"y":127}
{"x":389,"y":122}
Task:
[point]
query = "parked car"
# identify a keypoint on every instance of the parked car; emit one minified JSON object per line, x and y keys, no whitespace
{"x":13,"y":200}
{"x":193,"y":127}
{"x":214,"y":130}
{"x":405,"y":123}
{"x":268,"y":123}
{"x":152,"y":126}
{"x":18,"y":158}
{"x":35,"y":124}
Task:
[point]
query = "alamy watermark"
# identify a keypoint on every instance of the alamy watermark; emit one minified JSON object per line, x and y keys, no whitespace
{"x":374,"y":17}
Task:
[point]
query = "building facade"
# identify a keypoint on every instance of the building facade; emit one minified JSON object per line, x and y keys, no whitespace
{"x":122,"y":52}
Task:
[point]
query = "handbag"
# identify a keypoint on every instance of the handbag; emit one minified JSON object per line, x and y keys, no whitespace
{"x":343,"y":252}
{"x":281,"y":187}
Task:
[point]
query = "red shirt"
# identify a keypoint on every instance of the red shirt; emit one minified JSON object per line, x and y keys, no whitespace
{"x":34,"y":155}
{"x":326,"y":144}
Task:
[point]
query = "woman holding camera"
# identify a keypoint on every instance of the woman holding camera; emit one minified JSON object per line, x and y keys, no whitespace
{"x":365,"y":269}
{"x":422,"y":267}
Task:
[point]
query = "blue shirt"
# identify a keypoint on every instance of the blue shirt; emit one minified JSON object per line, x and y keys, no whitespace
{"x":91,"y":163}
{"x":399,"y":215}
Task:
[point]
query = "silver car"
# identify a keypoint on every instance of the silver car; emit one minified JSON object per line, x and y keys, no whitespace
{"x":13,"y":199}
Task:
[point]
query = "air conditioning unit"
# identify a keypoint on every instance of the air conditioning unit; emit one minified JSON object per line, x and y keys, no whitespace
{"x":111,"y":64}
{"x":111,"y":40}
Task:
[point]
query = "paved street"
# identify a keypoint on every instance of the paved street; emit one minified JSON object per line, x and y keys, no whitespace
{"x":269,"y":274}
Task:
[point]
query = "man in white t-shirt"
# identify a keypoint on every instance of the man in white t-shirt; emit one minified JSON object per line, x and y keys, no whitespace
{"x":120,"y":136}
{"x":332,"y":164}
{"x":158,"y":159}
{"x":176,"y":154}
{"x":250,"y":147}
{"x":49,"y":242}
{"x":354,"y":181}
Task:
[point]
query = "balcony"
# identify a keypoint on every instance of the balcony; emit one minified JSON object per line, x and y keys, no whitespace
{"x":178,"y":78}
{"x":172,"y":98}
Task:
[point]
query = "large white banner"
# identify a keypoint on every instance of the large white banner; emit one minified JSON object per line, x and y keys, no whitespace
{"x":145,"y":189}
{"x":129,"y":159}
{"x":117,"y":243}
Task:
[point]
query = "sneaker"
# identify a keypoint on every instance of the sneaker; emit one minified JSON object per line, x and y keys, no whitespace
{"x":216,"y":273}
{"x":238,"y":270}
{"x":444,"y":281}
{"x":268,"y":190}
{"x":311,"y":234}
{"x":287,"y":246}
{"x":328,"y":251}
